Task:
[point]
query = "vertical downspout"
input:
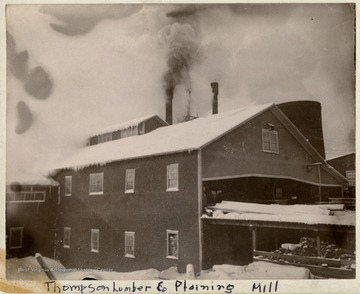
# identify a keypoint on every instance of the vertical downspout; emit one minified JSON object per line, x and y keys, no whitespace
{"x":319,"y":171}
{"x":200,"y":206}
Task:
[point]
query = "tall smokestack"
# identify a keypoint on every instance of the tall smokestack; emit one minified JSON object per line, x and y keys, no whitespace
{"x":215,"y":90}
{"x":169,"y":106}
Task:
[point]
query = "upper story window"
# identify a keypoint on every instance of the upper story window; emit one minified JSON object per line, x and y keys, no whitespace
{"x":68,"y":185}
{"x":270,"y":141}
{"x":130,"y":244}
{"x":95,"y":234}
{"x":16,"y":237}
{"x":104,"y":138}
{"x":350,"y":175}
{"x":96,"y":183}
{"x":172,"y":178}
{"x":67,"y":235}
{"x":134,"y":130}
{"x":172,"y":244}
{"x":130,"y":181}
{"x":130,"y":131}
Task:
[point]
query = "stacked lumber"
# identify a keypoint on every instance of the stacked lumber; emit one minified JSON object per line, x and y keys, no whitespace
{"x":243,"y":207}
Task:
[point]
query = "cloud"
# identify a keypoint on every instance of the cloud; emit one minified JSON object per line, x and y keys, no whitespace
{"x":189,"y":10}
{"x":81,"y":19}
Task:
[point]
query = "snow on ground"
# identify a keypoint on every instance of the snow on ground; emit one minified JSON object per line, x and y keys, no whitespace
{"x":345,"y":218}
{"x":256,"y":270}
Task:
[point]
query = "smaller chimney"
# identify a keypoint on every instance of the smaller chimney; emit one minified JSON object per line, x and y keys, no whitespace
{"x":215,"y":90}
{"x":168,"y":110}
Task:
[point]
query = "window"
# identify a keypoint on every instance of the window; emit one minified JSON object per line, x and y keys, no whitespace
{"x":94,"y":240}
{"x":172,"y":177}
{"x":96,"y":183}
{"x":104,"y":138}
{"x":278,"y":193}
{"x":68,"y":185}
{"x":134,"y":130}
{"x":350,"y":175}
{"x":270,"y":141}
{"x":16,"y":237}
{"x":172,"y":243}
{"x":130,"y":244}
{"x":130,"y":181}
{"x":67,"y":233}
{"x":25,"y":196}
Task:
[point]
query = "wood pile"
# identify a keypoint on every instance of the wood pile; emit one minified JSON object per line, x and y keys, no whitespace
{"x":308,"y":248}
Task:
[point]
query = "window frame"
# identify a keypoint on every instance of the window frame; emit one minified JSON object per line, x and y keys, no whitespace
{"x":12,"y":230}
{"x":168,"y":233}
{"x":279,"y":193}
{"x":67,"y":230}
{"x":21,"y":197}
{"x":105,"y":138}
{"x":129,"y":234}
{"x":351,"y":177}
{"x":169,"y":170}
{"x":264,"y":141}
{"x":95,"y":233}
{"x":127,"y":172}
{"x":68,"y":182}
{"x":96,"y":175}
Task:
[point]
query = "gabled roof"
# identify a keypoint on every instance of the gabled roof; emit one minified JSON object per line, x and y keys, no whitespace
{"x":191,"y":135}
{"x":28,"y":179}
{"x":341,"y":156}
{"x":126,"y":124}
{"x":187,"y":136}
{"x":306,"y":145}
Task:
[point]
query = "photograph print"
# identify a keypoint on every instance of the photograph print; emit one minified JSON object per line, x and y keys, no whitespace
{"x":180,"y":141}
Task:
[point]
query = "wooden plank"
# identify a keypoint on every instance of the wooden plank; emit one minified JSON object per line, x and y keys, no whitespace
{"x":281,"y":225}
{"x":326,"y":272}
{"x":302,"y":259}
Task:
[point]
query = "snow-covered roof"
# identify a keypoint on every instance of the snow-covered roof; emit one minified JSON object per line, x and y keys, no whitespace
{"x":185,"y":136}
{"x":123,"y":125}
{"x":305,"y":214}
{"x":31,"y":180}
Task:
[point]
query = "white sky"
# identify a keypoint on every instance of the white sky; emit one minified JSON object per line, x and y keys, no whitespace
{"x":106,"y":65}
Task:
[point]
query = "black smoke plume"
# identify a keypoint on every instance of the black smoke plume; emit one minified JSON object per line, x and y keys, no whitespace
{"x":183,"y":50}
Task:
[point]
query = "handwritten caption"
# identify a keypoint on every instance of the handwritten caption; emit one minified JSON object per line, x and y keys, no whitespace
{"x":176,"y":286}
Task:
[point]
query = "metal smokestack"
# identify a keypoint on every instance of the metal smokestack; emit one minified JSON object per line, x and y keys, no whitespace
{"x":169,"y":112}
{"x":169,"y":106}
{"x":215,"y":90}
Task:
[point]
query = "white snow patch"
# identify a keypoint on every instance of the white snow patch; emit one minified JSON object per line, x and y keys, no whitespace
{"x":243,"y":207}
{"x":256,"y":270}
{"x":345,"y":218}
{"x":31,"y":179}
{"x":123,"y":125}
